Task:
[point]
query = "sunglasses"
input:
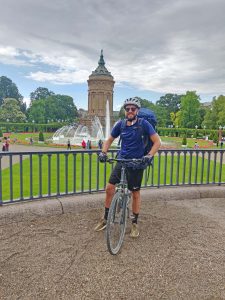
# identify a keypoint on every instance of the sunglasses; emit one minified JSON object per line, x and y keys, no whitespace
{"x":127,"y":109}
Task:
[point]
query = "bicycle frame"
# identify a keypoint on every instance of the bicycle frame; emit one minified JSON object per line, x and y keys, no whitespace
{"x":116,"y":223}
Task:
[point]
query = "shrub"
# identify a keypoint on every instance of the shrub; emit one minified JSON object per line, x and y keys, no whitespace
{"x":1,"y":134}
{"x":215,"y":138}
{"x":41,"y":136}
{"x":184,"y":140}
{"x":211,"y":136}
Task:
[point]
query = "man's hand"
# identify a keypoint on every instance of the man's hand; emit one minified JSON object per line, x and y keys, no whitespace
{"x":147,"y":159}
{"x":102,"y":157}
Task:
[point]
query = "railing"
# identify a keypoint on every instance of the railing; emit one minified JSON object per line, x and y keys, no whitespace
{"x":35,"y":175}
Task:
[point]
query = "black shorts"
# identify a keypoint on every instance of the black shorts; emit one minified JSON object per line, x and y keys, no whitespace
{"x":134,"y":177}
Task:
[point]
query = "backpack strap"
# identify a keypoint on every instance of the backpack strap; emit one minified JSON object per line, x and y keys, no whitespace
{"x":122,"y":127}
{"x":140,"y":122}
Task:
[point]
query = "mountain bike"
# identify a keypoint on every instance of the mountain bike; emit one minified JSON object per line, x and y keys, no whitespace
{"x":119,"y":209}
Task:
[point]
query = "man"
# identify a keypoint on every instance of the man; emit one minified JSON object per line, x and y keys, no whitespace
{"x":132,"y":146}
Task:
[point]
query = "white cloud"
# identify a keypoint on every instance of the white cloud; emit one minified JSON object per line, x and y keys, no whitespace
{"x":8,"y":51}
{"x":60,"y":78}
{"x":165,"y":46}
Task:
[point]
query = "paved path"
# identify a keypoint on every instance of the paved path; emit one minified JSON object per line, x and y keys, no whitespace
{"x":179,"y":254}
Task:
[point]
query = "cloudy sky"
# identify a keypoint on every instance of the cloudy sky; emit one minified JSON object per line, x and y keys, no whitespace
{"x":151,"y":47}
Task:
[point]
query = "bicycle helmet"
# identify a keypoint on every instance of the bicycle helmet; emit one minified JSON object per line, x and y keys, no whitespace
{"x":134,"y":101}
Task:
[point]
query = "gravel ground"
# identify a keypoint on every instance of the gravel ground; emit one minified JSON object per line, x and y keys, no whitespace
{"x":179,"y":255}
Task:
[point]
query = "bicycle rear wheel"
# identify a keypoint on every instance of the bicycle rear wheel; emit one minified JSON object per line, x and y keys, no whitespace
{"x":116,"y":223}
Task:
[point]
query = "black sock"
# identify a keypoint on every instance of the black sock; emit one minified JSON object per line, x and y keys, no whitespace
{"x":135,"y":218}
{"x":106,"y":213}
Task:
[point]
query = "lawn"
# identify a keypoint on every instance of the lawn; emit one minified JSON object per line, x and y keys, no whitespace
{"x":168,"y":142}
{"x":176,"y":143}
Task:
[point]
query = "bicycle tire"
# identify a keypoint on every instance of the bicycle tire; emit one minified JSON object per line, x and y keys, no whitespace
{"x":116,"y":223}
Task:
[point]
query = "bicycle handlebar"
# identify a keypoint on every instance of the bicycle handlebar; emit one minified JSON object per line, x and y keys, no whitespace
{"x":125,"y":159}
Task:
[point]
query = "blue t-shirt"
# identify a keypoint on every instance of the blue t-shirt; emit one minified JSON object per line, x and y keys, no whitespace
{"x":132,"y":145}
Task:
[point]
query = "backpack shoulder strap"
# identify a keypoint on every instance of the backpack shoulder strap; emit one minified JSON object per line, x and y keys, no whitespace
{"x":122,"y":127}
{"x":123,"y":124}
{"x":140,"y":124}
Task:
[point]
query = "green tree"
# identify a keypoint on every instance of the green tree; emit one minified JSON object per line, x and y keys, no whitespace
{"x":41,"y":93}
{"x":175,"y":118}
{"x":170,"y":103}
{"x":10,"y":110}
{"x":61,"y":107}
{"x":55,"y":107}
{"x":215,"y":116}
{"x":203,"y":111}
{"x":190,"y":115}
{"x":37,"y":111}
{"x":8,"y":89}
{"x":41,"y":137}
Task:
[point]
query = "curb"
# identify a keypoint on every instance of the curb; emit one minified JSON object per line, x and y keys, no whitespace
{"x":28,"y":211}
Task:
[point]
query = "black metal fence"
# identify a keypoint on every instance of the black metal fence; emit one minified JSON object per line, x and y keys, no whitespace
{"x":35,"y":175}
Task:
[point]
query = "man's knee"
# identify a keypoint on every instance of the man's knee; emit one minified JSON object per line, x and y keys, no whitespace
{"x":136,"y":194}
{"x":110,"y":188}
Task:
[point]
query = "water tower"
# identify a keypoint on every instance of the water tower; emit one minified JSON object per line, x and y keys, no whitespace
{"x":100,"y":89}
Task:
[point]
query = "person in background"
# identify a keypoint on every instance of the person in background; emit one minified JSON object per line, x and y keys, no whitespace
{"x":68,"y":145}
{"x":3,"y":145}
{"x":100,"y":143}
{"x":83,"y":144}
{"x":6,"y":144}
{"x":88,"y":144}
{"x":196,"y":146}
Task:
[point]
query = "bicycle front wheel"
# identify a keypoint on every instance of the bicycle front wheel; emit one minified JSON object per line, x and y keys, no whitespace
{"x":116,"y":223}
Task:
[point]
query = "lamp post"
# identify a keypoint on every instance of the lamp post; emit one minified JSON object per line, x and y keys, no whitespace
{"x":204,"y":131}
{"x":33,"y":125}
{"x":220,"y":134}
{"x":196,"y":134}
{"x":7,"y":127}
{"x":177,"y":132}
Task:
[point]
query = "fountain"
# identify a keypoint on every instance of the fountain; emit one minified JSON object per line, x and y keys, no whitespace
{"x":107,"y":121}
{"x":76,"y":133}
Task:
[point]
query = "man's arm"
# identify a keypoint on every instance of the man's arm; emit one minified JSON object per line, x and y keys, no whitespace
{"x":156,"y":144}
{"x":107,"y":144}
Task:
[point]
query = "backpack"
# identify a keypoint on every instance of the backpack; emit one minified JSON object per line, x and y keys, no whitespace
{"x":148,"y":115}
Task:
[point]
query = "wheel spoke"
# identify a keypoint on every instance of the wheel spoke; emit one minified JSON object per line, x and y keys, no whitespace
{"x":116,"y":224}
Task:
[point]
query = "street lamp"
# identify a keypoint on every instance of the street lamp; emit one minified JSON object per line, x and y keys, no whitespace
{"x":33,"y":125}
{"x":220,"y":133}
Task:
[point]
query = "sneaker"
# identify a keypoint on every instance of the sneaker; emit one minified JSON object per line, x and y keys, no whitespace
{"x":134,"y":230}
{"x":101,"y":225}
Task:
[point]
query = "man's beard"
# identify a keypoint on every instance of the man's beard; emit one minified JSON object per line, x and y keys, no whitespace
{"x":132,"y":119}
